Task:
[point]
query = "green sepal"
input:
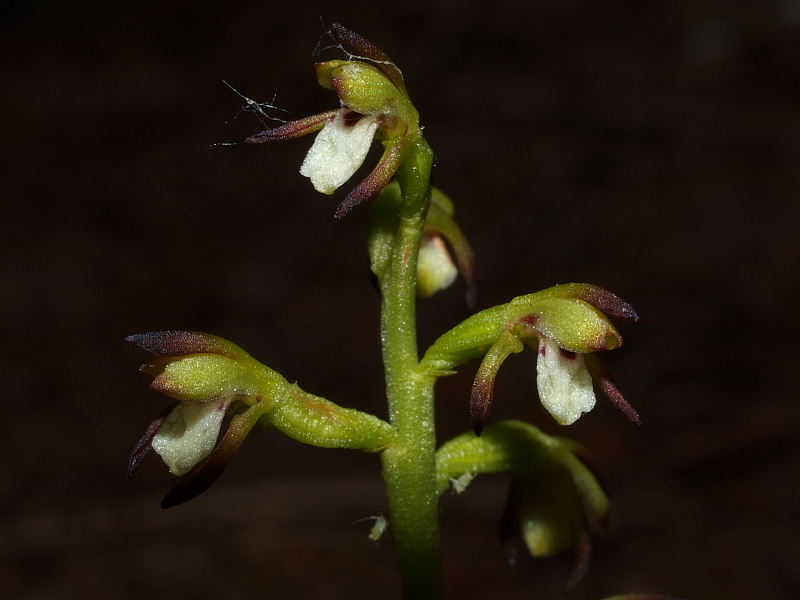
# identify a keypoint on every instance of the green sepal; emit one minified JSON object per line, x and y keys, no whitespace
{"x":595,"y":295}
{"x":574,"y":324}
{"x":200,"y":377}
{"x":365,"y":89}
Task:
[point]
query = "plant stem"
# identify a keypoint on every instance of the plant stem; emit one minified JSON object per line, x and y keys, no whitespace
{"x":409,"y":464}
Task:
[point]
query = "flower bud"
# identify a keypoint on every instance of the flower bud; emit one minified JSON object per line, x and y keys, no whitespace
{"x":200,"y":377}
{"x":573,"y":324}
{"x":365,"y":89}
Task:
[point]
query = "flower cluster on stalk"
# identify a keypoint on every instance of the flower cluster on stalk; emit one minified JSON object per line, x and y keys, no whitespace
{"x":555,"y":499}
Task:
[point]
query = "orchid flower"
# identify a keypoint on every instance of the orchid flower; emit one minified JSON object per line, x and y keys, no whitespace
{"x":549,"y":514}
{"x":554,"y":497}
{"x":207,"y":375}
{"x":374,"y":104}
{"x":211,"y":378}
{"x":566,"y":325}
{"x":435,"y":267}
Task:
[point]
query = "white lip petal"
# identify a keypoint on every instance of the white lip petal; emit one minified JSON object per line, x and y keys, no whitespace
{"x":338,"y":151}
{"x":564,"y":383}
{"x":189,"y":434}
{"x":435,"y":268}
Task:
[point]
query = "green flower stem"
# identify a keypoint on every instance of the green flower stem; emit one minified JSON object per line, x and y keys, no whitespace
{"x":409,"y":464}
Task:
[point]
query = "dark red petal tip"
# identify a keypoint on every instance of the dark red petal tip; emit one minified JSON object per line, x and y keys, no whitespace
{"x":202,"y":476}
{"x":378,"y":179}
{"x":581,"y":549}
{"x":480,"y":403}
{"x":610,"y":303}
{"x":144,"y":445}
{"x":181,"y":343}
{"x":197,"y":481}
{"x":363,"y":48}
{"x":293,"y":129}
{"x":510,"y":530}
{"x":604,"y":381}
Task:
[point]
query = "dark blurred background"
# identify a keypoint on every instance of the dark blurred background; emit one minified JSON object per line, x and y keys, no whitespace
{"x":648,"y":147}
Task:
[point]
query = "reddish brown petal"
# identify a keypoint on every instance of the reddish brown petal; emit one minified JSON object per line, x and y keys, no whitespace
{"x":293,"y":129}
{"x":363,"y":48}
{"x":602,"y":299}
{"x":480,"y":402}
{"x":181,"y":343}
{"x":581,"y":549}
{"x":603,"y":379}
{"x":483,"y":387}
{"x":465,"y":260}
{"x":144,"y":445}
{"x":375,"y":181}
{"x":206,"y":472}
{"x":611,"y":304}
{"x":510,"y":533}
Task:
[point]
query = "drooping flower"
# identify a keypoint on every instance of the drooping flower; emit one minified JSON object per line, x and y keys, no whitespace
{"x":435,"y":268}
{"x":548,"y":514}
{"x":209,"y":377}
{"x":554,"y":501}
{"x":374,"y":104}
{"x":566,"y":325}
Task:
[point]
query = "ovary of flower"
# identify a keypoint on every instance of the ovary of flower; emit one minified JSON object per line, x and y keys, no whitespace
{"x":564,"y":382}
{"x":339,"y":150}
{"x":189,"y":434}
